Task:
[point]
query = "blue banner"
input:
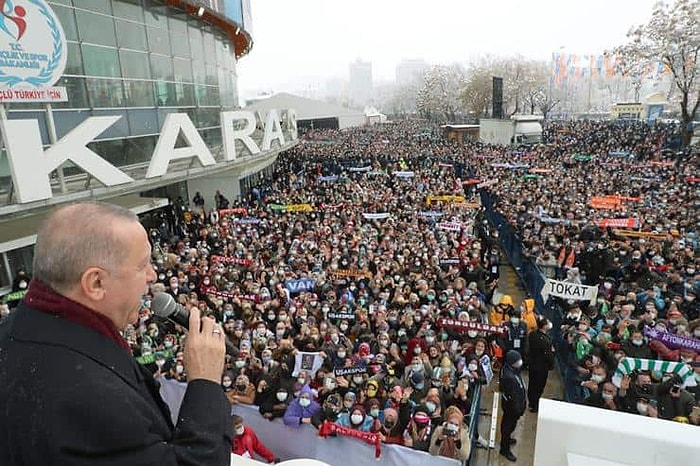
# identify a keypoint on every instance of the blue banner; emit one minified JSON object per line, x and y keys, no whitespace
{"x":303,"y":284}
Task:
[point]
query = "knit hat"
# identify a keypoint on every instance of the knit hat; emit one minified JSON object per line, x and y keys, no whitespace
{"x":512,"y":357}
{"x":417,"y":378}
{"x":372,"y":388}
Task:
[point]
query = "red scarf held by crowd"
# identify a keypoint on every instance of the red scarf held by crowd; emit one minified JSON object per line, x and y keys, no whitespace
{"x":44,"y":299}
{"x":328,"y":428}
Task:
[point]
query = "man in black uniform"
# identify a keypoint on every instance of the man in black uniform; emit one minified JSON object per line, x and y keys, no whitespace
{"x":513,"y":400}
{"x":540,"y":361}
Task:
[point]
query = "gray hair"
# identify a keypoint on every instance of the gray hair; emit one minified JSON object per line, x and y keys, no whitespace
{"x":76,"y":237}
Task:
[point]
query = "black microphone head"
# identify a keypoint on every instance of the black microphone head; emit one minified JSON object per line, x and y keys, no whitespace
{"x":163,"y":305}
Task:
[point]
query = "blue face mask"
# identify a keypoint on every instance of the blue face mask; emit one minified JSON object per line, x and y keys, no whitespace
{"x":420,"y":386}
{"x":430,"y":406}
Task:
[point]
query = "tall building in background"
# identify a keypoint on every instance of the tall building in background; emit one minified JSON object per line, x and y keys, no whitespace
{"x":410,"y":70}
{"x":360,"y":84}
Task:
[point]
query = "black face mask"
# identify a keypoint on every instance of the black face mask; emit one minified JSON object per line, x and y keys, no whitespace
{"x":389,"y":424}
{"x":241,"y":388}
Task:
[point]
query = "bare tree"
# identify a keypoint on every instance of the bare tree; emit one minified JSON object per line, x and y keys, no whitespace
{"x":438,"y":99}
{"x":672,"y":36}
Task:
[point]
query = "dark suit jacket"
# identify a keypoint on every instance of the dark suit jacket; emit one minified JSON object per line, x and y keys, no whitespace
{"x":71,"y":397}
{"x":540,"y":356}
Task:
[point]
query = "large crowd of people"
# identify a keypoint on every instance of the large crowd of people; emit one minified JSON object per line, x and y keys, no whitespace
{"x":358,"y":284}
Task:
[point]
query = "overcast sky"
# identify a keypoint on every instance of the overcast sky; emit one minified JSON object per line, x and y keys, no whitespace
{"x":305,"y":42}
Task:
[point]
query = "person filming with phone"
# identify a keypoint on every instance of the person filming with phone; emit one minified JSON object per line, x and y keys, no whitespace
{"x":72,"y":394}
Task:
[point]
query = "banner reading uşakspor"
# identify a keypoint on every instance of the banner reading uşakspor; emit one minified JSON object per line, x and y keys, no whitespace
{"x":568,"y":290}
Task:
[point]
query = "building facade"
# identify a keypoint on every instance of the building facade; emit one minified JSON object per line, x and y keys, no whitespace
{"x":154,"y":84}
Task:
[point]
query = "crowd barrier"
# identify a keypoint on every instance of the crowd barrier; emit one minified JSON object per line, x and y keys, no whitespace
{"x":303,"y":442}
{"x":532,"y":278}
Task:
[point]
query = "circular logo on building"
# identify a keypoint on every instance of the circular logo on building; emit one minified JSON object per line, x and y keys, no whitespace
{"x":32,"y":44}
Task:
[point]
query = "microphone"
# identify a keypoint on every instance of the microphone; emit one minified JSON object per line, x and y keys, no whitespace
{"x":163,"y":305}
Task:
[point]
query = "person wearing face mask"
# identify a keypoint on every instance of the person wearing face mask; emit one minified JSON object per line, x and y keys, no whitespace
{"x":515,"y":337}
{"x":513,"y":401}
{"x":636,"y":347}
{"x":247,"y":444}
{"x":605,"y":398}
{"x":451,"y":439}
{"x":419,"y":430}
{"x":540,"y":361}
{"x":301,"y":409}
{"x":331,"y":408}
{"x":271,"y":398}
{"x":243,"y":391}
{"x":356,"y":419}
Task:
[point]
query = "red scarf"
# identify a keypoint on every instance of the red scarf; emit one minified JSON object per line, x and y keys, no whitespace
{"x":328,"y":428}
{"x":44,"y":299}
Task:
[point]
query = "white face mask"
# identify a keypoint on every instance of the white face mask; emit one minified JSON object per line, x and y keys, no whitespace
{"x":240,"y":430}
{"x":608,"y":396}
{"x":472,"y":333}
{"x":518,"y":364}
{"x":281,"y":396}
{"x":473,"y":367}
{"x":356,"y":418}
{"x":478,"y":352}
{"x":597,"y":378}
{"x":304,"y":402}
{"x":514,"y":320}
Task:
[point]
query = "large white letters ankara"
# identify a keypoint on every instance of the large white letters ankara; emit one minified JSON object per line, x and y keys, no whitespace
{"x":31,"y":165}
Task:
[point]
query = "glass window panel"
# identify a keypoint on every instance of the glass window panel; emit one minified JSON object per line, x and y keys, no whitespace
{"x":184,"y":94}
{"x":183,"y":70}
{"x":209,"y":47}
{"x":200,"y":75}
{"x":131,"y":35}
{"x":143,"y":121}
{"x":221,"y":51}
{"x":112,"y":151}
{"x":155,"y":14}
{"x":134,"y":64}
{"x":180,"y":47}
{"x":206,"y":95}
{"x":101,"y":6}
{"x":74,"y":61}
{"x":211,"y":75}
{"x":195,"y":36}
{"x":162,"y":67}
{"x":207,"y":117}
{"x":212,"y":138}
{"x":139,"y":94}
{"x":100,"y":61}
{"x":129,"y":9}
{"x":140,"y":149}
{"x":120,"y":129}
{"x":158,"y":40}
{"x":95,"y":29}
{"x":165,"y":94}
{"x":67,"y":18}
{"x":105,"y":92}
{"x":77,"y":93}
{"x":67,"y":120}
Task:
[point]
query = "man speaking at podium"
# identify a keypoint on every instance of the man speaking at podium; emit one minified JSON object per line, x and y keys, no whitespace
{"x":70,"y":391}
